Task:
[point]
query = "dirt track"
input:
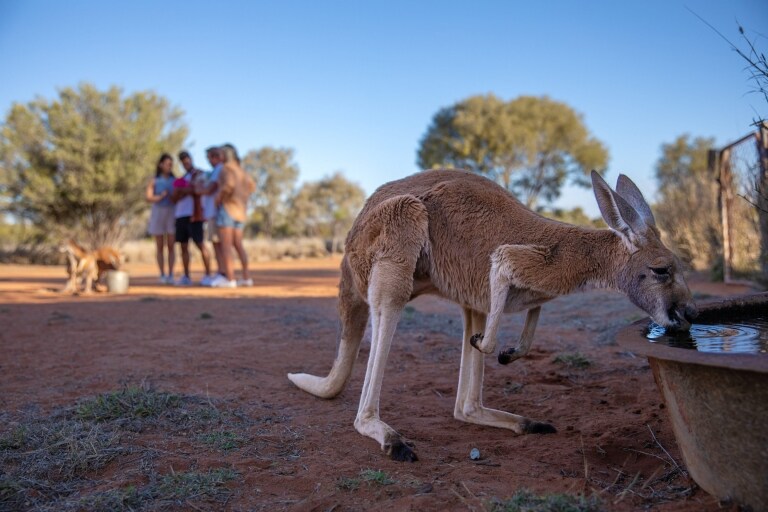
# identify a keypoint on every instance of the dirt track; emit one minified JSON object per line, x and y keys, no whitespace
{"x":302,"y":453}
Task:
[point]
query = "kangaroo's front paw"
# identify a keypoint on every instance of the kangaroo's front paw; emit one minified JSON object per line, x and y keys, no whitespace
{"x":476,"y":339}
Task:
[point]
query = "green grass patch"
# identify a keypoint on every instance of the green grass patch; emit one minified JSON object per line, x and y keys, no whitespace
{"x":12,"y":494}
{"x":183,"y":486}
{"x":526,"y":501}
{"x":573,"y":360}
{"x":180,"y":489}
{"x":14,"y":439}
{"x":373,"y":477}
{"x":54,"y":462}
{"x":124,"y":499}
{"x":376,"y":476}
{"x":348,"y":484}
{"x":58,"y":450}
{"x":128,"y":403}
{"x":223,"y":440}
{"x":42,"y":460}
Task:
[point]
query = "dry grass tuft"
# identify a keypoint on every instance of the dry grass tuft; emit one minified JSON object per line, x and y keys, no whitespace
{"x":52,"y":463}
{"x":526,"y":501}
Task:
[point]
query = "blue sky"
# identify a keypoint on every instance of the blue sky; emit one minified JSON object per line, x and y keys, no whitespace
{"x":352,"y":86}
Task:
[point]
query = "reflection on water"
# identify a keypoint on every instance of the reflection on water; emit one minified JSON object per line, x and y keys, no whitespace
{"x":738,"y":337}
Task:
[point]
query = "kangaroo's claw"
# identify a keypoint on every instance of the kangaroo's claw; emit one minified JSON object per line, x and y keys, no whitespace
{"x":476,"y":339}
{"x":507,"y":356}
{"x":402,"y":451}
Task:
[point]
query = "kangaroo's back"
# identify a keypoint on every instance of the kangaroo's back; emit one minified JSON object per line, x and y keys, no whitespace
{"x":469,"y":217}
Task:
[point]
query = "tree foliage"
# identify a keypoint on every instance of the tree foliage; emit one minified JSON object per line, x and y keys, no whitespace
{"x":687,"y":210}
{"x":79,"y":162}
{"x":275,"y":174}
{"x":327,"y":208}
{"x":532,"y":146}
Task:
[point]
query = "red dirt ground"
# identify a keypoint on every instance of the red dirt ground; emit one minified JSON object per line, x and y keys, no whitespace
{"x":238,"y":345}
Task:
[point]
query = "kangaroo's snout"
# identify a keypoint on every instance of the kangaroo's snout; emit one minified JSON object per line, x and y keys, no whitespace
{"x":681,"y":316}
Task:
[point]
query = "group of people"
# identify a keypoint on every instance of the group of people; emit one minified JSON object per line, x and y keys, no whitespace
{"x":201,"y":206}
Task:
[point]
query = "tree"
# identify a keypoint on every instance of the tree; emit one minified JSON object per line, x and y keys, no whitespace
{"x":275,"y":174}
{"x":327,"y":208}
{"x":687,"y":210}
{"x":76,"y":166}
{"x":531,"y":145}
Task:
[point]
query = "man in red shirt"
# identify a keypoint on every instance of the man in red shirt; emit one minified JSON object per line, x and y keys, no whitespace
{"x":189,"y":216}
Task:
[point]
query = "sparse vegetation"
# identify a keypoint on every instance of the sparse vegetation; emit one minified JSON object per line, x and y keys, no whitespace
{"x":45,"y":459}
{"x":125,"y":498}
{"x":573,"y":360}
{"x":222,"y":440}
{"x":51,"y":463}
{"x":376,"y":476}
{"x":182,"y":486}
{"x":170,"y":489}
{"x":348,"y":484}
{"x":128,"y":403}
{"x":526,"y":501}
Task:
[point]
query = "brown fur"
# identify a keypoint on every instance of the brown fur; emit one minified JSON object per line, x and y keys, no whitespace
{"x":460,"y":236}
{"x":88,"y":267}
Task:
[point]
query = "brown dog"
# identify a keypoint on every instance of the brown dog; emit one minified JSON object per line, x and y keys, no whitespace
{"x":88,"y":266}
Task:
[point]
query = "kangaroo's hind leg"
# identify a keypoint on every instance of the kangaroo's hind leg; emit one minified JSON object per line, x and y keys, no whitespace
{"x":387,"y":302}
{"x":382,"y":250}
{"x":400,"y":225}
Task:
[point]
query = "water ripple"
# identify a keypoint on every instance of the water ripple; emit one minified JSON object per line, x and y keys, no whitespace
{"x":739,"y":337}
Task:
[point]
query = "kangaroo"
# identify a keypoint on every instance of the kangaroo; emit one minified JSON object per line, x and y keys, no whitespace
{"x":460,"y":236}
{"x":89,"y":266}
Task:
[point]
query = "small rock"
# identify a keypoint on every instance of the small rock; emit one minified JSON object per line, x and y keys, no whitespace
{"x":425,"y":489}
{"x":474,"y":454}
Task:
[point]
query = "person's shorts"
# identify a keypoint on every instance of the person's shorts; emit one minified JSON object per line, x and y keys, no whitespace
{"x":212,"y":231}
{"x":162,"y":221}
{"x":186,"y":229}
{"x":225,"y":220}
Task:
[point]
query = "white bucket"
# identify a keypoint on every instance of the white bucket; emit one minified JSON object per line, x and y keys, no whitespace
{"x":117,"y":281}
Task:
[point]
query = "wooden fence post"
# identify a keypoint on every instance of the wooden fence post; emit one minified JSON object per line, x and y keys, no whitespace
{"x":761,"y":187}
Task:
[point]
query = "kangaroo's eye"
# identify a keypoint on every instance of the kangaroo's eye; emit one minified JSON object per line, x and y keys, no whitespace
{"x":660,"y":271}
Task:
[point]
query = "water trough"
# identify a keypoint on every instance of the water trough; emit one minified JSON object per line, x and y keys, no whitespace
{"x":718,"y":403}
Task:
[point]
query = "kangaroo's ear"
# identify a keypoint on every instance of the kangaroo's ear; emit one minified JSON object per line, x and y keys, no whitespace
{"x":627,"y":189}
{"x":618,"y":213}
